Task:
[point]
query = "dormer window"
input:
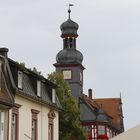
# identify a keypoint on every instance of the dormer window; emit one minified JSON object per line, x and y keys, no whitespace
{"x":53,"y":95}
{"x":38,"y":88}
{"x":20,"y":79}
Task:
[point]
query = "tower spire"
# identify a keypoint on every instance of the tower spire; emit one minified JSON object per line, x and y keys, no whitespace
{"x":69,"y":11}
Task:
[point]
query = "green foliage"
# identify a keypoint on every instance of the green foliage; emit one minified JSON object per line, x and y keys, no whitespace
{"x":70,"y":127}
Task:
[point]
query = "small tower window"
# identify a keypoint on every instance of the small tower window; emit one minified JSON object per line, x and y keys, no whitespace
{"x":20,"y":79}
{"x":71,"y":42}
{"x":38,"y":88}
{"x":74,"y":43}
{"x":53,"y":95}
{"x":65,"y":43}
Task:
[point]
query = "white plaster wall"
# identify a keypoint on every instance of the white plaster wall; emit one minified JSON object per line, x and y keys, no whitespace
{"x":25,"y":119}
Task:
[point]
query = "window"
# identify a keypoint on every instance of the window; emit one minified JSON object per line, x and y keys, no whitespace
{"x":14,"y":127}
{"x":101,"y":129}
{"x":65,"y":43}
{"x":53,"y":95}
{"x":20,"y":77}
{"x":1,"y":125}
{"x":50,"y":132}
{"x":34,"y":129}
{"x":34,"y":124}
{"x":38,"y":88}
{"x":51,"y":116}
{"x":71,"y":42}
{"x":15,"y":122}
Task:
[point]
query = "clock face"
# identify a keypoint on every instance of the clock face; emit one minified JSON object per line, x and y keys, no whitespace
{"x":67,"y":74}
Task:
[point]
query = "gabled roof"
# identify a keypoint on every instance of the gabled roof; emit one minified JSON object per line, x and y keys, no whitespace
{"x":101,"y":115}
{"x":7,"y":86}
{"x":111,"y":107}
{"x":88,"y":113}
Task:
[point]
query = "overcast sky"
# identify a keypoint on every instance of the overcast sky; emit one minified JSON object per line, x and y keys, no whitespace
{"x":109,"y":38}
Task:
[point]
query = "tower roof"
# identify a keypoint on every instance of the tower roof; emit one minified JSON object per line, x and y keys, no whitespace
{"x":69,"y":27}
{"x":69,"y":56}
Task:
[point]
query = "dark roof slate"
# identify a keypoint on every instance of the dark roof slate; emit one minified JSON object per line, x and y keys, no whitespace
{"x":29,"y":88}
{"x":87,"y":114}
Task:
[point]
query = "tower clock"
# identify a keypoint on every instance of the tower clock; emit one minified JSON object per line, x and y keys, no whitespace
{"x":67,"y":74}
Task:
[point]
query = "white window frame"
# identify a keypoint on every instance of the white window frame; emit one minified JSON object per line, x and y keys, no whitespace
{"x":101,"y":129}
{"x":14,"y":123}
{"x":53,"y":95}
{"x":38,"y":88}
{"x":20,"y":79}
{"x":2,"y":125}
{"x":34,"y":128}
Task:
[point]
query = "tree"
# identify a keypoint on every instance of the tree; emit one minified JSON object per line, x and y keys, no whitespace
{"x":70,"y":126}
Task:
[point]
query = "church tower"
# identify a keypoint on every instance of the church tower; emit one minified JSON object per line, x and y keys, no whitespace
{"x":69,"y":59}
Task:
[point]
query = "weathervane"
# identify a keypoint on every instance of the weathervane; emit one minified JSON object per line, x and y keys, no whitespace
{"x":69,"y":11}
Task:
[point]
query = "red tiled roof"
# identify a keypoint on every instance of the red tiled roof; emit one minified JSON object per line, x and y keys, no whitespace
{"x":112,"y":107}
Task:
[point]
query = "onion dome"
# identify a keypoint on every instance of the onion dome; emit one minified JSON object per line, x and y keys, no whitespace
{"x":69,"y":56}
{"x":69,"y":28}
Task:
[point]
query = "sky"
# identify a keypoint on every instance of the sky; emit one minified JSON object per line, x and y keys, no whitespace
{"x":109,"y":32}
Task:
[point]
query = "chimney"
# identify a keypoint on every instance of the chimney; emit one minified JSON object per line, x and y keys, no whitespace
{"x":90,"y":93}
{"x":4,"y":51}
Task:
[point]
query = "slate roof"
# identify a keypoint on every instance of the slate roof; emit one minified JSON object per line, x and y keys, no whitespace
{"x":10,"y":70}
{"x":69,"y":27}
{"x":107,"y":110}
{"x":29,"y":89}
{"x":69,"y":56}
{"x":88,"y":113}
{"x":92,"y":112}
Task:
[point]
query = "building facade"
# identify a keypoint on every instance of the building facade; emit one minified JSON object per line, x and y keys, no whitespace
{"x":29,"y":107}
{"x":101,"y":118}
